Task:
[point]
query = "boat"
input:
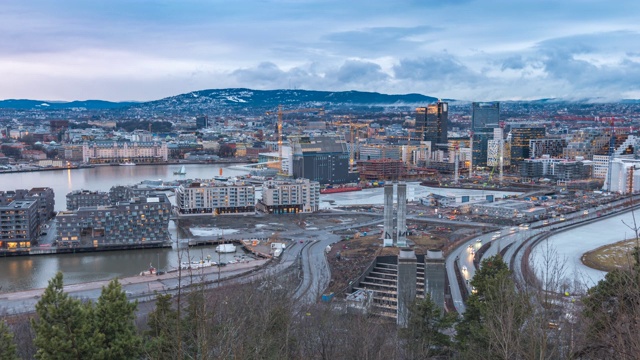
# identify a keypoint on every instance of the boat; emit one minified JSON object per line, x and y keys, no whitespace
{"x":221,"y":178}
{"x":182,"y":171}
{"x":127,"y":164}
{"x":225,"y":248}
{"x":334,"y":190}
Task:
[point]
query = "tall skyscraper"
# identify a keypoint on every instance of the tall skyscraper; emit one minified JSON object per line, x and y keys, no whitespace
{"x":432,"y":121}
{"x":485,"y":114}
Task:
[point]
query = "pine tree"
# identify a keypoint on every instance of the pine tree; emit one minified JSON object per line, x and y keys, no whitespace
{"x":114,"y":321}
{"x":7,"y":345}
{"x":160,"y":341}
{"x":424,"y":334}
{"x":63,"y":325}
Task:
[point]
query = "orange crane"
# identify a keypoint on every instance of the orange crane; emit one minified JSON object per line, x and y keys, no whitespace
{"x":280,"y":113}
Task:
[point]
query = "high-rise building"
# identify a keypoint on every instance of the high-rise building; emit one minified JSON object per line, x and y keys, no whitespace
{"x":202,"y":122}
{"x":323,"y":159}
{"x":520,"y":141}
{"x":485,"y":114}
{"x":432,"y":122}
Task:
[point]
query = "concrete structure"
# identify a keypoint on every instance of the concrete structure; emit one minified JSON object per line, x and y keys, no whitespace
{"x":434,"y":276}
{"x":215,"y":198}
{"x":401,"y":236}
{"x":407,"y":287}
{"x":485,"y":114}
{"x":387,"y":235}
{"x":286,"y":197}
{"x":138,"y":221}
{"x":84,"y":198}
{"x":123,"y":152}
{"x":381,"y":169}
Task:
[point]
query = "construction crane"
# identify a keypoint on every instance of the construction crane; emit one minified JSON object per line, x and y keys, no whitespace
{"x":280,"y":113}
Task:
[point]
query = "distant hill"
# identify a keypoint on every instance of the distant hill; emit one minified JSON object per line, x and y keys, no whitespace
{"x":24,"y":104}
{"x":237,"y":100}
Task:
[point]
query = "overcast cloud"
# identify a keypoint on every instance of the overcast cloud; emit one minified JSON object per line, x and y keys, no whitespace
{"x":468,"y":50}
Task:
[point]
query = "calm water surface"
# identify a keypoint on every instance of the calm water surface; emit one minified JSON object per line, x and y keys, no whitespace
{"x":22,"y":273}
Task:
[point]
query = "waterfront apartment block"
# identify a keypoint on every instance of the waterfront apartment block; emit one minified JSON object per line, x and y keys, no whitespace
{"x":83,"y":198}
{"x":141,"y":220}
{"x":23,"y":215}
{"x":19,"y":224}
{"x":215,"y":198}
{"x":286,"y":197}
{"x":103,"y":152}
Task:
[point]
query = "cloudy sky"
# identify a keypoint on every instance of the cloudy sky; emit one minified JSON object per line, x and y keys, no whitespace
{"x":470,"y":50}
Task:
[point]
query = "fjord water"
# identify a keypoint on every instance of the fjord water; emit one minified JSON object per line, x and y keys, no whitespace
{"x":29,"y":272}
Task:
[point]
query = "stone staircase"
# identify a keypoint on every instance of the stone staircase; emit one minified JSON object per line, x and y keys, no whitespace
{"x":383,"y":281}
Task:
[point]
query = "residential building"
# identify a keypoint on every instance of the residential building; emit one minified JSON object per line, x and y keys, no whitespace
{"x":140,"y":221}
{"x":546,"y":146}
{"x":215,"y":198}
{"x":19,"y":224}
{"x":84,"y":198}
{"x":297,"y":196}
{"x":124,"y":152}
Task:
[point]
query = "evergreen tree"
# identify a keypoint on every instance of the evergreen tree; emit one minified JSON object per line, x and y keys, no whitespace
{"x":470,"y":331}
{"x":160,"y":343}
{"x":114,"y":321}
{"x":7,"y":345}
{"x":424,"y":335}
{"x":62,"y":326}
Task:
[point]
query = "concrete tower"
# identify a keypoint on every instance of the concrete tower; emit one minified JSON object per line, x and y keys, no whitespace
{"x":407,"y":276}
{"x":387,"y":236}
{"x":402,"y":215}
{"x":434,"y":276}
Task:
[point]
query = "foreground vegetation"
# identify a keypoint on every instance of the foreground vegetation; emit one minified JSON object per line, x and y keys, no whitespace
{"x":260,"y":321}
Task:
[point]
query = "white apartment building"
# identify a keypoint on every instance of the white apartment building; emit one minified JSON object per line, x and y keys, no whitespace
{"x":284,"y":197}
{"x":215,"y":198}
{"x":98,"y":152}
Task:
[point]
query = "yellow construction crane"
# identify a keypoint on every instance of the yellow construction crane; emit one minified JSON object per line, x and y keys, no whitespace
{"x":280,"y":113}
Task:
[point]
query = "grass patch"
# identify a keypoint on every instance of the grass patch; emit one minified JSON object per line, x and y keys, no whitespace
{"x":611,"y":256}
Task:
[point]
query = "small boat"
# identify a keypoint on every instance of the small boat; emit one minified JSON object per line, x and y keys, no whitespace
{"x":182,"y":171}
{"x":221,"y":178}
{"x":127,"y":164}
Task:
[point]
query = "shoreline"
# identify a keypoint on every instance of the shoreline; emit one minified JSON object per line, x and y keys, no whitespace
{"x":592,"y":259}
{"x":77,"y":167}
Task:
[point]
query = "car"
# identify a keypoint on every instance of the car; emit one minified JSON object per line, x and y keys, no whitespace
{"x":478,"y":240}
{"x":470,"y":246}
{"x":160,"y":272}
{"x":464,"y":268}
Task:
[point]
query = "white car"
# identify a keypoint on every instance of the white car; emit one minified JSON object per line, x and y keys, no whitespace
{"x":464,"y":268}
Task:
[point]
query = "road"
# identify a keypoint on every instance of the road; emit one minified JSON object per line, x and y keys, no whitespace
{"x":462,"y":255}
{"x":316,"y":273}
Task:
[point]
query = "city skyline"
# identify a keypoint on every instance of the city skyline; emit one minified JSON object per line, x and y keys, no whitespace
{"x":466,"y":50}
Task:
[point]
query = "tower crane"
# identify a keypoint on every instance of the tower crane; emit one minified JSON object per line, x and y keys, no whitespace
{"x":280,"y":112}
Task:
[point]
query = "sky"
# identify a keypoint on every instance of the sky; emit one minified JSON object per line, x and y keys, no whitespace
{"x":455,"y":49}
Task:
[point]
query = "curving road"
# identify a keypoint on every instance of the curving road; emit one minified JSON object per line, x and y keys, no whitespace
{"x":462,"y":256}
